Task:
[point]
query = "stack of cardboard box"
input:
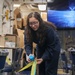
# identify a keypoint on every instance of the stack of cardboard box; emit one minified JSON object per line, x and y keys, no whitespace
{"x":8,"y":40}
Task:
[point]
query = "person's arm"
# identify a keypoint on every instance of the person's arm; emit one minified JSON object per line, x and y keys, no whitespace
{"x":52,"y":42}
{"x":28,"y":46}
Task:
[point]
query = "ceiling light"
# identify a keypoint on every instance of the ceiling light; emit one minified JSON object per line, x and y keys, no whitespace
{"x":50,"y":0}
{"x":16,"y":5}
{"x":42,"y":7}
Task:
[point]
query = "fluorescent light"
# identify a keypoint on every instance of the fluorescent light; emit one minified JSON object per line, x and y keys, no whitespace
{"x":42,"y":7}
{"x":16,"y":5}
{"x":50,"y":0}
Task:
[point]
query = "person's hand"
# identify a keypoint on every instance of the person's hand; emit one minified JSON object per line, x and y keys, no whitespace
{"x":28,"y":58}
{"x":39,"y":61}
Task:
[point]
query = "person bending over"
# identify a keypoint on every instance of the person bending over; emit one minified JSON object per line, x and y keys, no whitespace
{"x":47,"y":43}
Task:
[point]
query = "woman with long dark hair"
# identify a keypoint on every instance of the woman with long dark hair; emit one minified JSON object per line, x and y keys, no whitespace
{"x":48,"y":45}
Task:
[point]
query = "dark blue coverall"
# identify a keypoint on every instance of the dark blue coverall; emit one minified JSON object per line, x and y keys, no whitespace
{"x":49,"y":51}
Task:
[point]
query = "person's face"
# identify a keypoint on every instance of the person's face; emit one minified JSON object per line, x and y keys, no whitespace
{"x":34,"y":23}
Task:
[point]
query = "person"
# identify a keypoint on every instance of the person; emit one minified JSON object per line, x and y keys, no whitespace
{"x":47,"y":43}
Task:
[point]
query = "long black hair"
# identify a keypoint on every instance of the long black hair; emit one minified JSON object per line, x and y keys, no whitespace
{"x":43,"y":25}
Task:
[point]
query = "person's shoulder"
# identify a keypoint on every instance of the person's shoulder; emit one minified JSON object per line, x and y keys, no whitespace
{"x":50,"y":29}
{"x":50,"y":24}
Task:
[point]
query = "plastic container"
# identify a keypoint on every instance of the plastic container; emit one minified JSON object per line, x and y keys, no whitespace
{"x":3,"y":55}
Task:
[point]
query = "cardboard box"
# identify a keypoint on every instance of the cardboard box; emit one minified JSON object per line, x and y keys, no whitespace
{"x":2,"y":41}
{"x":17,"y":11}
{"x":44,"y":16}
{"x":19,"y":23}
{"x":20,"y":41}
{"x":25,"y":21}
{"x":8,"y":40}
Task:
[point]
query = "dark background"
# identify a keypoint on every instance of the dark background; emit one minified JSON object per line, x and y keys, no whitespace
{"x":60,"y":4}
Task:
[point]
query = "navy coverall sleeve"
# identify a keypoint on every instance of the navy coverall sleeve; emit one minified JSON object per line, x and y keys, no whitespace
{"x":28,"y":46}
{"x":52,"y":43}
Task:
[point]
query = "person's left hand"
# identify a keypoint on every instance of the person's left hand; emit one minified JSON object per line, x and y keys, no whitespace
{"x":39,"y":61}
